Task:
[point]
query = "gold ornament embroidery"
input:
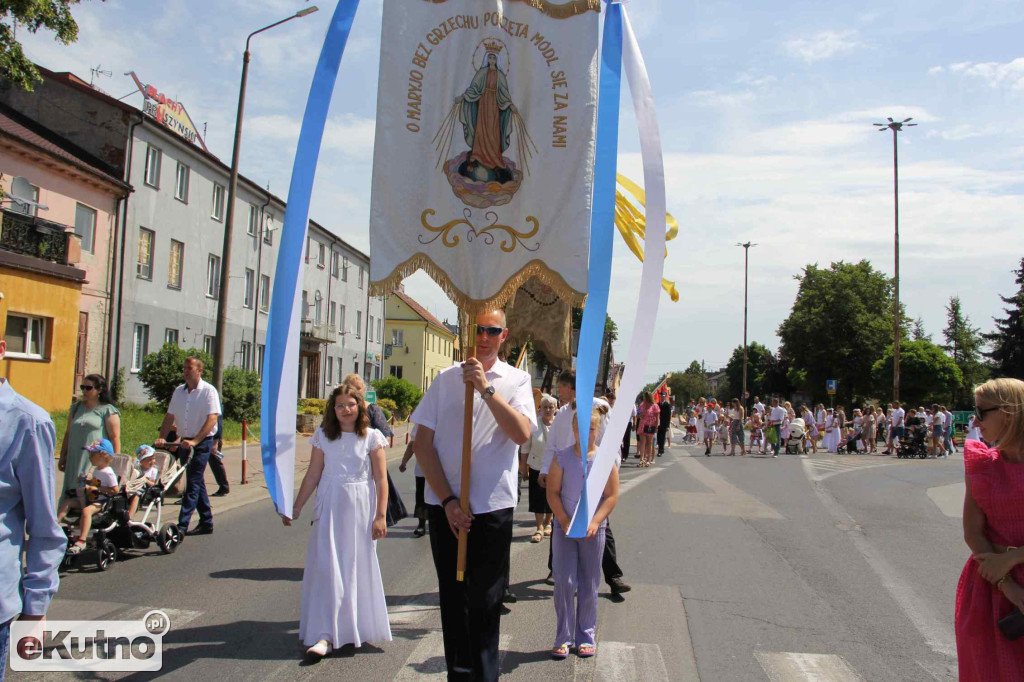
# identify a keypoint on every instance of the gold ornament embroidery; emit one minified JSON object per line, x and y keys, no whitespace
{"x":509,"y":240}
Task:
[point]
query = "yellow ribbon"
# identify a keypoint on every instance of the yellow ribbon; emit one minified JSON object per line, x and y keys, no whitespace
{"x":632,"y":225}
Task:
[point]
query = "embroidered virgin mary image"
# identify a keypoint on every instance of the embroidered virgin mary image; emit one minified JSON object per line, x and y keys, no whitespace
{"x":483,"y":176}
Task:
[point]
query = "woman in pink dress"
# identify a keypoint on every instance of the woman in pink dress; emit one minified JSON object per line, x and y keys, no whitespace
{"x":992,"y":583}
{"x":650,"y":414}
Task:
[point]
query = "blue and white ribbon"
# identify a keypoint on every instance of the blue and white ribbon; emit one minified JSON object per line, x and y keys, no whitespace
{"x":650,"y":277}
{"x":280,"y":371}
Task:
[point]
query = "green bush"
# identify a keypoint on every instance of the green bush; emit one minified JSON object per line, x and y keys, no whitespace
{"x":405,"y":395}
{"x":388,"y":405}
{"x":240,"y":397}
{"x":161,"y":371}
{"x":312,"y":406}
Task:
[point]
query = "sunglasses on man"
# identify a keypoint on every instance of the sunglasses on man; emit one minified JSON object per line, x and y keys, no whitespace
{"x":489,"y":331}
{"x":979,"y":413}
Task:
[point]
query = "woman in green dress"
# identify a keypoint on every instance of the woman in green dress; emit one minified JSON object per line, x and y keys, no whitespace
{"x":89,"y":419}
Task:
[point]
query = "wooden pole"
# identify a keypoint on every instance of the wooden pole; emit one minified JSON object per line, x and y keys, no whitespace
{"x":467,"y":452}
{"x":522,"y":354}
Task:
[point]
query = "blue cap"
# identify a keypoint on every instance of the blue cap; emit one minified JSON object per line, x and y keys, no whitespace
{"x":145,"y":451}
{"x":102,"y":445}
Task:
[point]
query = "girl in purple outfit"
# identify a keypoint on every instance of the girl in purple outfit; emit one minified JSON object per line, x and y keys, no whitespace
{"x":577,"y":562}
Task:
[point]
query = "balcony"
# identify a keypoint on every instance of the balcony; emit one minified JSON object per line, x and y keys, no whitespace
{"x":38,"y":238}
{"x":326,"y":333}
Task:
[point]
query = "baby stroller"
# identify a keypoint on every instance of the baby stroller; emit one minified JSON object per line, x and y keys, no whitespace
{"x":913,"y":443}
{"x":795,"y":442}
{"x":113,"y":514}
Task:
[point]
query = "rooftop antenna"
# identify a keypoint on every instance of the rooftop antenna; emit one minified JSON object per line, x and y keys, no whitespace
{"x":20,"y":196}
{"x":98,"y":71}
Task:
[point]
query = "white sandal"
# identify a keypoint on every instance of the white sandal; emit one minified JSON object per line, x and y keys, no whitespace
{"x":320,"y":649}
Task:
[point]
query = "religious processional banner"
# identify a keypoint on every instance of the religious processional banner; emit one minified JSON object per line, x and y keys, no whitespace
{"x":484,"y":154}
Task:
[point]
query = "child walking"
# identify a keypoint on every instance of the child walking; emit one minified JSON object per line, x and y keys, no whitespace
{"x":577,"y":562}
{"x":342,"y":593}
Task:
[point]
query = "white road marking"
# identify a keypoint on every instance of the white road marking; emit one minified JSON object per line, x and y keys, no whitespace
{"x":937,"y":632}
{"x":725,"y":500}
{"x":799,"y":667}
{"x":949,"y":499}
{"x":410,"y":614}
{"x":621,"y":661}
{"x":427,"y":660}
{"x":179,"y":617}
{"x":826,"y":468}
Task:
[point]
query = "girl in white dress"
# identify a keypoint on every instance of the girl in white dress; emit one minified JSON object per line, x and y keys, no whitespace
{"x":342,"y":593}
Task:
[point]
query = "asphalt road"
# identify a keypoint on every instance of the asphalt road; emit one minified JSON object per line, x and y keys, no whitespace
{"x":798,"y":568}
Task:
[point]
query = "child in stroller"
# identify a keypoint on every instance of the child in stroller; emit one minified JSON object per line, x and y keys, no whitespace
{"x":913,"y":444}
{"x":149,"y":477}
{"x":93,"y":493}
{"x":797,"y":430}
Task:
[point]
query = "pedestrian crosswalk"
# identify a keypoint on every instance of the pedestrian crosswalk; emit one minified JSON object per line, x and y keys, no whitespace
{"x":799,"y":667}
{"x":820,"y":468}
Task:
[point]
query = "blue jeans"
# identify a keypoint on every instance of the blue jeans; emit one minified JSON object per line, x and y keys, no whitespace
{"x":778,"y":438}
{"x":5,"y":640}
{"x":195,"y":488}
{"x":947,"y":440}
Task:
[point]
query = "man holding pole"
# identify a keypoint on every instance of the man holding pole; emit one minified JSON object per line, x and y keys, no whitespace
{"x":503,"y":418}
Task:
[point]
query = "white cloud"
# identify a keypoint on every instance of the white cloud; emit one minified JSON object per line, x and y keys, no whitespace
{"x":995,"y":74}
{"x":935,"y":70}
{"x":346,"y":133}
{"x":823,"y":45}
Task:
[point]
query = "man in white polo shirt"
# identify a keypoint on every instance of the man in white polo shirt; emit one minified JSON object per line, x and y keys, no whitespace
{"x":503,"y":419}
{"x":193,"y":413}
{"x":775,"y":419}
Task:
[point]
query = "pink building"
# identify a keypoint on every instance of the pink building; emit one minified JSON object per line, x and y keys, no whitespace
{"x":76,"y":193}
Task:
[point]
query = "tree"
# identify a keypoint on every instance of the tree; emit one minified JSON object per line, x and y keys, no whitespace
{"x":240,"y":394}
{"x":918,"y":333}
{"x":31,"y":15}
{"x":756,"y":354}
{"x":927,"y":374}
{"x":161,"y":370}
{"x":405,"y":393}
{"x":964,"y":344}
{"x":1007,"y":340}
{"x":686,"y":386}
{"x":840,"y":324}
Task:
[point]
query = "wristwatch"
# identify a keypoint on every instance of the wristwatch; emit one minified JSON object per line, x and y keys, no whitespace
{"x":487,"y":393}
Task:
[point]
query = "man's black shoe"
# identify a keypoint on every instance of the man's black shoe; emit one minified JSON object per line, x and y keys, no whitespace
{"x":660,"y":454}
{"x":221,"y":492}
{"x":201,"y":530}
{"x":550,"y":580}
{"x":509,"y":598}
{"x":618,"y":587}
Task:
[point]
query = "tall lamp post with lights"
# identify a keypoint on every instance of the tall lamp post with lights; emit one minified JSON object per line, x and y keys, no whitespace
{"x":896,"y":127}
{"x":229,"y":219}
{"x":746,"y":269}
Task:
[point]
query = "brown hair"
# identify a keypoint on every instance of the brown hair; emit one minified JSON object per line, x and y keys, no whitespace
{"x":195,"y":361}
{"x":331,"y":426}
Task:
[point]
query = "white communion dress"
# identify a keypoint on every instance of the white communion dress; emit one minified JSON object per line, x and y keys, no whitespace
{"x":342,"y":592}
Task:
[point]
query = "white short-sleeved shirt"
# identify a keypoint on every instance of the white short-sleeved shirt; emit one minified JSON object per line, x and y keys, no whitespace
{"x":710,"y":417}
{"x":759,"y":407}
{"x":191,"y":408}
{"x":561,"y":435}
{"x":898,"y":416}
{"x":151,"y":474}
{"x":946,"y":418}
{"x":494,"y":477}
{"x":534,"y":448}
{"x":104,"y":478}
{"x":416,"y":471}
{"x":778,"y":415}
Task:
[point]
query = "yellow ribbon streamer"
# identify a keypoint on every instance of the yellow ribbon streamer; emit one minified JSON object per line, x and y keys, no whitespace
{"x":632,"y":225}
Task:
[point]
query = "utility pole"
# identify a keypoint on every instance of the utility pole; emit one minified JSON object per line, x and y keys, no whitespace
{"x":746,"y":270}
{"x":895,"y":127}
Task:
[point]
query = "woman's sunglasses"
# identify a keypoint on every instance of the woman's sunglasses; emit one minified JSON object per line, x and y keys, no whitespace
{"x":979,"y":413}
{"x":489,"y":331}
{"x":86,"y":387}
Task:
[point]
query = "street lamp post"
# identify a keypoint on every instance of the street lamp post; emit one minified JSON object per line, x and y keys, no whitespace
{"x":746,"y":269}
{"x":895,"y":127}
{"x":229,"y":219}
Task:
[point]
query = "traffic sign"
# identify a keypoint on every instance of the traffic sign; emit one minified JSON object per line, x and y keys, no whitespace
{"x":371,"y":397}
{"x":831,"y":385}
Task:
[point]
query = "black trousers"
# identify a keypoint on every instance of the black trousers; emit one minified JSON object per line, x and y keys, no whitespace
{"x":626,"y":439}
{"x":219,"y":473}
{"x":609,"y":562}
{"x":471,"y":610}
{"x":662,"y":431}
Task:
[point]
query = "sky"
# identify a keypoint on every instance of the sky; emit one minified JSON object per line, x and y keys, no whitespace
{"x":765,"y":110}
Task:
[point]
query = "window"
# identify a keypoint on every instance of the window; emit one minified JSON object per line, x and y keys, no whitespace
{"x":339,"y":370}
{"x":335,"y":264}
{"x":341,"y":319}
{"x":171,"y":336}
{"x":376,"y":372}
{"x":208,"y":344}
{"x":305,"y":305}
{"x":153,"y":157}
{"x":246,"y":354}
{"x":344,"y":269}
{"x":177,"y":257}
{"x":85,"y":227}
{"x":321,"y":256}
{"x":359,"y":324}
{"x":268,"y":230}
{"x":380,"y":331}
{"x":261,"y":351}
{"x":140,"y":345}
{"x":254,"y":220}
{"x":144,"y":269}
{"x":332,"y":313}
{"x":217,"y":211}
{"x":26,"y":336}
{"x":360,"y":276}
{"x":181,"y":183}
{"x":397,"y":337}
{"x":250,"y":286}
{"x":318,"y":304}
{"x":213,"y":276}
{"x":396,"y":371}
{"x":330,"y":370}
{"x":355,"y":368}
{"x":369,"y":330}
{"x":264,"y":293}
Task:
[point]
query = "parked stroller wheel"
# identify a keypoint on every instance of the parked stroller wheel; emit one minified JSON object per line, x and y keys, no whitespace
{"x":169,"y":538}
{"x":106,"y":554}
